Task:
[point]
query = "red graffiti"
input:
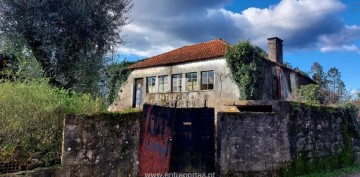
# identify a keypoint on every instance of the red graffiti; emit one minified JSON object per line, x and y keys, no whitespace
{"x":155,"y":148}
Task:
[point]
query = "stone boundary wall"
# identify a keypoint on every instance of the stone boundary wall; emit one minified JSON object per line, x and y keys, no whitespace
{"x":293,"y":139}
{"x":251,"y":142}
{"x":101,"y":145}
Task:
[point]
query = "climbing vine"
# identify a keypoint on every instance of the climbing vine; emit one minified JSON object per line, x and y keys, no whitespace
{"x":246,"y":64}
{"x":116,"y":75}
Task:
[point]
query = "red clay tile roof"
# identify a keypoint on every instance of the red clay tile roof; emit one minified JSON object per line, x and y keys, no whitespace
{"x":203,"y":51}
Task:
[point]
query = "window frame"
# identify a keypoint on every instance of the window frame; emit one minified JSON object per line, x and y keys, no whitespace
{"x":191,"y":74}
{"x":153,"y":84}
{"x":179,"y":83}
{"x":207,"y":80}
{"x":165,"y":80}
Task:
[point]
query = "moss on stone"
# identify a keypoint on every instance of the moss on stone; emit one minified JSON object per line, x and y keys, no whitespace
{"x":303,"y":162}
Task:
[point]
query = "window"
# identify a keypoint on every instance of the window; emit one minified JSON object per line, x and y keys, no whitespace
{"x":150,"y":84}
{"x":163,"y":84}
{"x":191,"y":81}
{"x":176,"y":82}
{"x":207,"y":80}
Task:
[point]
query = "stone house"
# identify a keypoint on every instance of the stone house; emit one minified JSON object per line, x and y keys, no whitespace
{"x":198,"y":76}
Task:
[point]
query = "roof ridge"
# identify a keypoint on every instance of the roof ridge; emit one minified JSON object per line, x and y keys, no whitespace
{"x":205,"y":42}
{"x":223,"y":41}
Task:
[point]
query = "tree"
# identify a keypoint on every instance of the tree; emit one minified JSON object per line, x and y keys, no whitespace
{"x":335,"y":86}
{"x":18,"y":61}
{"x":318,"y":74}
{"x":69,"y":38}
{"x":246,"y":64}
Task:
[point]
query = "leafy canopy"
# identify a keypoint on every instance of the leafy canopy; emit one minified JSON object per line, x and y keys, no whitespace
{"x":318,"y":74}
{"x":69,"y":38}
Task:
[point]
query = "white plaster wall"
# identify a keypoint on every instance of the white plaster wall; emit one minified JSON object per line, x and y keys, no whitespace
{"x":225,"y":90}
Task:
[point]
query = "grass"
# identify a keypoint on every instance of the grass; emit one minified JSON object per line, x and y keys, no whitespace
{"x":339,"y":172}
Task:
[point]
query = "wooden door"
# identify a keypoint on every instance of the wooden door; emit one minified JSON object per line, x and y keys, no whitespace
{"x":138,"y":93}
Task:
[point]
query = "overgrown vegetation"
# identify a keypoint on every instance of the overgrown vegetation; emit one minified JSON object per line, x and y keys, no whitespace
{"x":52,"y":64}
{"x":297,"y":69}
{"x":308,"y":94}
{"x":32,"y":114}
{"x":247,"y":68}
{"x":116,"y":75}
{"x":338,"y":172}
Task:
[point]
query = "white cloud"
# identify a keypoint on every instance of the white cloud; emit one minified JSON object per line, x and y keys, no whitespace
{"x":349,"y":48}
{"x":161,"y":25}
{"x":342,"y":41}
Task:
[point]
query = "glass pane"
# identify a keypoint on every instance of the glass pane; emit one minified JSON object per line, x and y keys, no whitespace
{"x":203,"y":86}
{"x":151,"y":84}
{"x":165,"y":84}
{"x":195,"y":76}
{"x":195,"y":86}
{"x":162,"y":84}
{"x":176,"y":82}
{"x":204,"y":79}
{"x":153,"y":81}
{"x":211,"y":80}
{"x":211,"y":86}
{"x":179,"y":83}
{"x":211,"y":73}
{"x":191,"y":80}
{"x":148,"y":80}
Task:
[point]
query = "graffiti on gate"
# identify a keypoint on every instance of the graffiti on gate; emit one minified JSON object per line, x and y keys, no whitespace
{"x":155,"y":148}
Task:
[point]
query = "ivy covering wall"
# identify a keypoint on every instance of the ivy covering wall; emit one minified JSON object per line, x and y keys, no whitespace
{"x":245,"y":61}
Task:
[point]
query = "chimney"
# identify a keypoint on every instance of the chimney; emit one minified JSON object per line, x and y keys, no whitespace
{"x":275,"y":49}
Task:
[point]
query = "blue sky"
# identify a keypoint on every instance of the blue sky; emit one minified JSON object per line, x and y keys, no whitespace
{"x":324,"y":31}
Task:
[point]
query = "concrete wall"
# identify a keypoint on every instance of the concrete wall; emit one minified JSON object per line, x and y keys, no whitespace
{"x":101,"y":145}
{"x":262,"y":143}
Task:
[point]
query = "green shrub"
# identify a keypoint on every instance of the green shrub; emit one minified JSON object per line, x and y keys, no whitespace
{"x":308,"y":94}
{"x":32,"y":114}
